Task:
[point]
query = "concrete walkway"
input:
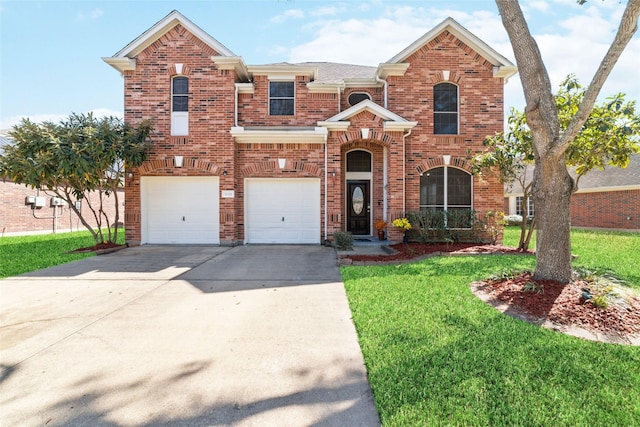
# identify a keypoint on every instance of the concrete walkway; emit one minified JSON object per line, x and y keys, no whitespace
{"x":164,"y":335}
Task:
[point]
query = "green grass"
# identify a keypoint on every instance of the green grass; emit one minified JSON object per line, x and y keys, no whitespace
{"x":616,"y":251}
{"x":22,"y":254}
{"x":437,"y":355}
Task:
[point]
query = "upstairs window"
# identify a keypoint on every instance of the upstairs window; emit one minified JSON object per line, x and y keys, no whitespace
{"x":357,"y":97}
{"x":179,"y":106}
{"x":180,"y":94}
{"x":445,"y":109}
{"x":281,"y":98}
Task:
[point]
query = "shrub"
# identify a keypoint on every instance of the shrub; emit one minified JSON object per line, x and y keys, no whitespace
{"x":456,"y":225}
{"x":343,"y":240}
{"x":513,"y":219}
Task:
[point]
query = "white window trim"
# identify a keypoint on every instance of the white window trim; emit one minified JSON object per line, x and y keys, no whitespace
{"x":179,"y":119}
{"x":282,"y":80}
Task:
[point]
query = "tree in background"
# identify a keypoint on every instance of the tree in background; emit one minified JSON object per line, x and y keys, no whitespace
{"x":610,"y":135}
{"x":510,"y":155}
{"x":76,"y":157}
{"x":552,"y":184}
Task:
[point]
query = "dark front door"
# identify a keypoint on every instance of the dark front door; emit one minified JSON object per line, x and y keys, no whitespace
{"x":358,"y":207}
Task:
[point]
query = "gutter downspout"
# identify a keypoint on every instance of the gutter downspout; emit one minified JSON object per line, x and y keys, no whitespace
{"x":326,"y":185}
{"x":404,"y":174}
{"x":384,"y":82}
{"x":385,"y":183}
{"x":235,"y":106}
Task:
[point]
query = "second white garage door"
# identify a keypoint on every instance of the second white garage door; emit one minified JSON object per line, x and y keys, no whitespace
{"x":282,"y":210}
{"x":180,"y":210}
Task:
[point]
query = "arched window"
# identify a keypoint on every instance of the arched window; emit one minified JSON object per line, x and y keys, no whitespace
{"x":357,"y":97}
{"x":358,"y":161}
{"x":179,"y":105}
{"x":446,"y":189}
{"x":445,"y":109}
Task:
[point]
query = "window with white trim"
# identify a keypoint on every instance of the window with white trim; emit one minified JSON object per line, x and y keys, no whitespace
{"x":179,"y":106}
{"x":445,"y":189}
{"x":445,"y":109}
{"x":519,"y":210}
{"x":281,"y":98}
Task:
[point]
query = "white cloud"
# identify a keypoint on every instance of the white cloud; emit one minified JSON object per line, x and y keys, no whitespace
{"x":288,"y":14}
{"x":575,"y":43}
{"x":539,"y":5}
{"x":328,"y":11}
{"x":8,"y":122}
{"x":89,"y":16}
{"x":372,"y":41}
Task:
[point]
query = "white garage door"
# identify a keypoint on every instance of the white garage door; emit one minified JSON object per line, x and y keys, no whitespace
{"x":282,"y":210}
{"x":180,"y":210}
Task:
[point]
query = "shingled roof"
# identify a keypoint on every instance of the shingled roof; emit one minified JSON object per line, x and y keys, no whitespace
{"x":609,"y":178}
{"x":332,"y":72}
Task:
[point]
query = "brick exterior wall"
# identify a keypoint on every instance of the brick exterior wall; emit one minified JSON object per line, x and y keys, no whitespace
{"x":209,"y":149}
{"x":617,"y":210}
{"x":610,"y":209}
{"x":16,"y":218}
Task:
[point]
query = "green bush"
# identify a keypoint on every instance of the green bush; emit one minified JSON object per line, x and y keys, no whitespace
{"x":343,"y":240}
{"x":431,"y":226}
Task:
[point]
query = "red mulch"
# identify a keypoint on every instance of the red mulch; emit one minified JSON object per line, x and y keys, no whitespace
{"x":99,"y":247}
{"x":563,"y":304}
{"x":560,"y":304}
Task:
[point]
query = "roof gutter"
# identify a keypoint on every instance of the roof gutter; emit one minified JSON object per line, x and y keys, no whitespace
{"x":384,"y":82}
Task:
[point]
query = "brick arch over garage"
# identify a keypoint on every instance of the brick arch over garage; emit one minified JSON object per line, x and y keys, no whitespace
{"x":189,"y":163}
{"x":271,"y":168}
{"x":456,"y":162}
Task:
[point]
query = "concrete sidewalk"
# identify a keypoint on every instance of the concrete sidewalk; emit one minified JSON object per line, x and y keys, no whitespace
{"x":163,"y":335}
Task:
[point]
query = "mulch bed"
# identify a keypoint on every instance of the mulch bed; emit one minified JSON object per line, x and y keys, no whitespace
{"x":101,"y":248}
{"x":562,"y":307}
{"x":557,"y":306}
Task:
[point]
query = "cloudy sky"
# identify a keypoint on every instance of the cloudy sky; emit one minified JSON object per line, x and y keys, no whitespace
{"x":50,"y":51}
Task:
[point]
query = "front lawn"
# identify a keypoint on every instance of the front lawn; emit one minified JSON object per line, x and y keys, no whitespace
{"x":617,"y":251}
{"x":437,"y":355}
{"x":22,"y":254}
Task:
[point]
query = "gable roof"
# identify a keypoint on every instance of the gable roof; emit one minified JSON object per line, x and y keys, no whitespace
{"x":124,"y":58}
{"x":392,"y":121}
{"x":502,"y":66}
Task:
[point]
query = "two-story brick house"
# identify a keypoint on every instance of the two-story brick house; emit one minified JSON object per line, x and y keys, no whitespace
{"x":291,"y":153}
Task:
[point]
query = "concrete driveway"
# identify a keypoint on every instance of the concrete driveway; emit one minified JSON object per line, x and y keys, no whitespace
{"x":175,"y":335}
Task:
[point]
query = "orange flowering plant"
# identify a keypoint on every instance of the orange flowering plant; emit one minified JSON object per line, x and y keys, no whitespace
{"x":381,"y":225}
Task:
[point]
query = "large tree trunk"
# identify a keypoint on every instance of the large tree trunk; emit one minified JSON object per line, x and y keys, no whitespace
{"x":552,"y":184}
{"x":552,"y":189}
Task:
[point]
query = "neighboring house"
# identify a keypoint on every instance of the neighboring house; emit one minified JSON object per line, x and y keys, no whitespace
{"x":291,"y":153}
{"x":17,"y":217}
{"x":608,"y":198}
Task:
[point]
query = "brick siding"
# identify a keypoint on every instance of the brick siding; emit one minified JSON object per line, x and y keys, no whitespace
{"x":210,"y":150}
{"x":16,"y":218}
